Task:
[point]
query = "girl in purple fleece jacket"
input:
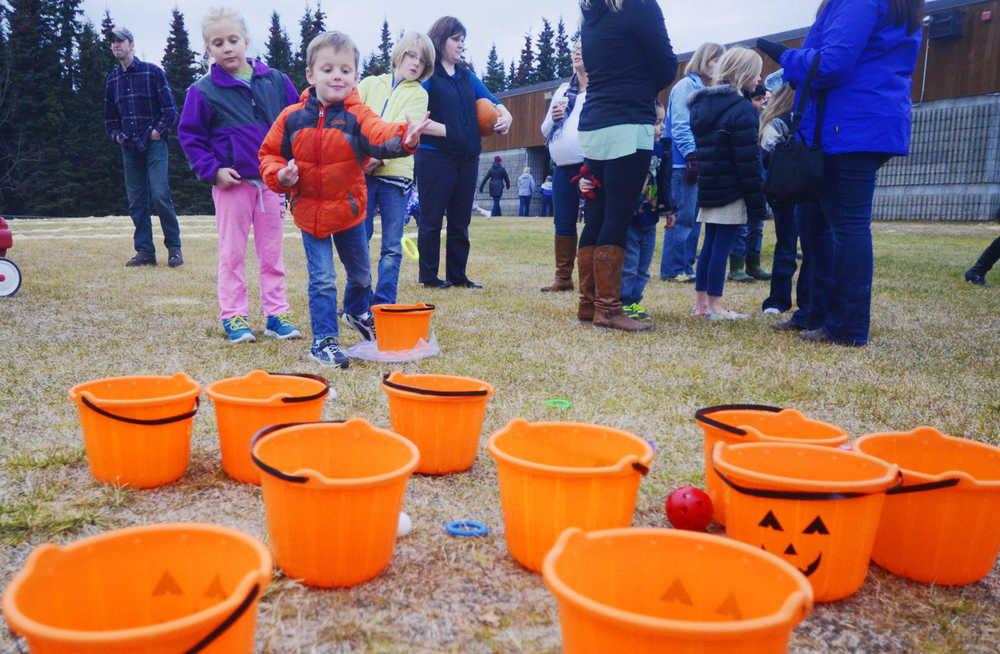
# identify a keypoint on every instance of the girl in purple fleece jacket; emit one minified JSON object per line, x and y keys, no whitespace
{"x":226,"y":115}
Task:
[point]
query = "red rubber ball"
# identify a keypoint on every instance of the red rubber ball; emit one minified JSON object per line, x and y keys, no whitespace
{"x":689,"y":508}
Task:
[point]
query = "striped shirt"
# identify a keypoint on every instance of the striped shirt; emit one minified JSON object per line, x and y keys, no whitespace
{"x":138,"y":100}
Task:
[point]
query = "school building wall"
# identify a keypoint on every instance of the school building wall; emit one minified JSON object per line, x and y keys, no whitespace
{"x":953,"y":170}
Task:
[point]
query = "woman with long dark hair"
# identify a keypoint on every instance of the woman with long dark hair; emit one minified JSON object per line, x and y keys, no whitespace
{"x":867,"y":50}
{"x":628,"y":59}
{"x":447,"y":160}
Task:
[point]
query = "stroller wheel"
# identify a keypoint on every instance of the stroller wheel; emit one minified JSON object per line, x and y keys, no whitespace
{"x":10,"y":277}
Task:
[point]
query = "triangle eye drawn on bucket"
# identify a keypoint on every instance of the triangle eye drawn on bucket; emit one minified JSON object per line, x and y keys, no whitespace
{"x":677,"y":593}
{"x":167,"y":584}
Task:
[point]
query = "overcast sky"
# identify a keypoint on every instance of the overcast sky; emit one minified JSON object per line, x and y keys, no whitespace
{"x":689,"y":22}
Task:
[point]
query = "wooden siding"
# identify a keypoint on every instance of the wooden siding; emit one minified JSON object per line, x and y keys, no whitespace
{"x":959,"y":68}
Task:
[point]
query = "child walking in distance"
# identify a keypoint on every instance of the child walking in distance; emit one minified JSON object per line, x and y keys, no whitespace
{"x":314,"y":151}
{"x":226,"y":115}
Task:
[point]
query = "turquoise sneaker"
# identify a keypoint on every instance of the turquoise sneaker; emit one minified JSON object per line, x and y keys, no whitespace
{"x":238,"y":330}
{"x":327,"y":352}
{"x":281,"y":327}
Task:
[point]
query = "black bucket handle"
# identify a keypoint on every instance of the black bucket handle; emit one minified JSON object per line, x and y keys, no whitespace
{"x":139,"y":421}
{"x":916,"y":488}
{"x":271,"y":470}
{"x":426,"y":391}
{"x":800,"y":495}
{"x":429,"y":307}
{"x":702,"y":415}
{"x":228,"y":622}
{"x":305,"y":398}
{"x":642,"y":469}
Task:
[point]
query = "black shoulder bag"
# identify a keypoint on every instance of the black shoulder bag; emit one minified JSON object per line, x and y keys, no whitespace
{"x":796,"y":171}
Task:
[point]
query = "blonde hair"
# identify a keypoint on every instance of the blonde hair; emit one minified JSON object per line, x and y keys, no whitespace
{"x":527,"y":170}
{"x":613,"y":5}
{"x":702,"y":57}
{"x":219,"y":14}
{"x":336,"y":40}
{"x":739,"y":67}
{"x":781,"y":101}
{"x":422,"y":44}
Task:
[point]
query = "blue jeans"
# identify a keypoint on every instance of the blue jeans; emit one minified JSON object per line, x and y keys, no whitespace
{"x":496,"y":207}
{"x":783,"y":269}
{"x":711,"y":273}
{"x":525,"y":206}
{"x":565,"y":199}
{"x":352,"y":248}
{"x":546,"y":204}
{"x":148,"y":190}
{"x":816,"y":271}
{"x":640,"y":241}
{"x":390,"y":201}
{"x":749,"y":239}
{"x":678,"y":253}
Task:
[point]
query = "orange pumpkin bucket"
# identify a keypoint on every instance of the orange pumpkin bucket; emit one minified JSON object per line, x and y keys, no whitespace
{"x":158,"y":589}
{"x":401,"y":326}
{"x":646,"y":591}
{"x":941,"y":525}
{"x":245,"y":405}
{"x":440,"y":414}
{"x":332,"y":494}
{"x":137,"y":430}
{"x":816,"y":507}
{"x":555,"y":475}
{"x":751,"y":423}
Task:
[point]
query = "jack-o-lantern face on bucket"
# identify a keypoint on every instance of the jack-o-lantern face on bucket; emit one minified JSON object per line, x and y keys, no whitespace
{"x":792,"y":545}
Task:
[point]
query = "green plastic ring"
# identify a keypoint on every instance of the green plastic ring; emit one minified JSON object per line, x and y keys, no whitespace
{"x":410,"y":248}
{"x":558,"y":403}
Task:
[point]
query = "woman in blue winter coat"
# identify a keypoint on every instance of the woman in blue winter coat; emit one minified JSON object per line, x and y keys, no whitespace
{"x":628,"y":59}
{"x":680,"y":243}
{"x":867,"y":50}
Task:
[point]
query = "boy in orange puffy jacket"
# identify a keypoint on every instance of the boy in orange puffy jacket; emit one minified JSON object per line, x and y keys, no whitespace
{"x":315,"y":152}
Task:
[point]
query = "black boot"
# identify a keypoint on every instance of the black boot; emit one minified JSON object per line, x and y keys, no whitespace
{"x":977,"y":273}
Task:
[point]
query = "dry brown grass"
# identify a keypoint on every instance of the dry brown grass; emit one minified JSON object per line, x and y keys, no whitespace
{"x":934,"y":359}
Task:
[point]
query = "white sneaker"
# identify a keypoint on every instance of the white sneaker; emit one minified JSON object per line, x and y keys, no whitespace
{"x":772,"y":311}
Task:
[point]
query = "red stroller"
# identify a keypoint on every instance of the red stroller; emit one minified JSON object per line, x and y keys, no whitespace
{"x":10,"y":274}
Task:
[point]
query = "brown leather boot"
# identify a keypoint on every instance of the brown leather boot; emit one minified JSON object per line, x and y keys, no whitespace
{"x":585,"y":268}
{"x":608,"y":261}
{"x":565,"y":253}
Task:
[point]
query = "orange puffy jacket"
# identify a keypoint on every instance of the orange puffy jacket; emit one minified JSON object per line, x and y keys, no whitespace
{"x":329,"y":144}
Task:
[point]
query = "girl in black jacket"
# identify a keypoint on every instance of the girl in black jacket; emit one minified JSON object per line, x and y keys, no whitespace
{"x":730,"y":188}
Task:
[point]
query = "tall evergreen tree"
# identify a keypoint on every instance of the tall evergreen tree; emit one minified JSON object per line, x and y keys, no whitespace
{"x":106,"y":26}
{"x":526,"y":64}
{"x":298,"y":72}
{"x":371,"y":65}
{"x":385,"y":48}
{"x":564,"y":56}
{"x":494,"y":77}
{"x":279,"y":47}
{"x":319,"y":21}
{"x":545,"y":69}
{"x":511,"y":76}
{"x":179,"y":64}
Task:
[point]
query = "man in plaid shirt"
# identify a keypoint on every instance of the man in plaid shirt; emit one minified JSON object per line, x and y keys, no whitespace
{"x":139,"y":111}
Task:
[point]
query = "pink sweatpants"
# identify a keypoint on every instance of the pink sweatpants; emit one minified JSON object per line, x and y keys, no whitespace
{"x":237,"y":210}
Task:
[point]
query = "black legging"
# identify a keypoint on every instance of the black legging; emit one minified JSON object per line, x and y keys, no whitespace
{"x":608,"y":213}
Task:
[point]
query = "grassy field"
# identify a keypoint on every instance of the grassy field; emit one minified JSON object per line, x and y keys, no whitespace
{"x":934,"y":359}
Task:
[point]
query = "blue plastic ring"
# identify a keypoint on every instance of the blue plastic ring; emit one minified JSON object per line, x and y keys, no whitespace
{"x":467,"y":528}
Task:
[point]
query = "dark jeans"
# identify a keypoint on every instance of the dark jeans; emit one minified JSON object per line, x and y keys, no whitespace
{"x":988,"y":258}
{"x":496,"y":207}
{"x":546,"y":205}
{"x":565,"y":199}
{"x":148,"y":190}
{"x":525,"y":206}
{"x":352,"y":248}
{"x":710,"y":274}
{"x":837,"y":237}
{"x":447,"y":185}
{"x":749,"y":239}
{"x":608,"y":214}
{"x":783,"y":269}
{"x":639,"y":245}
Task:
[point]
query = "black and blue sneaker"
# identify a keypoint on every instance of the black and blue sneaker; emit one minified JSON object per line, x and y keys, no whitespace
{"x":281,"y":327}
{"x":327,"y":352}
{"x":365,"y":324}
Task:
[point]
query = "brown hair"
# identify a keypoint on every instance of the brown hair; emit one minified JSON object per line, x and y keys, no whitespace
{"x":443,"y":29}
{"x":336,"y":40}
{"x":783,"y":100}
{"x":901,"y":12}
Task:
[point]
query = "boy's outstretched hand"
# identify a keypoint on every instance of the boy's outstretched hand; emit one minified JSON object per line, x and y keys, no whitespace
{"x":289,"y":175}
{"x":414,"y":130}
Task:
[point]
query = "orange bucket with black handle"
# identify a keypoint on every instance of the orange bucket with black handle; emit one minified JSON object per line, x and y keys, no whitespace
{"x":752,"y":423}
{"x":155,"y":589}
{"x":941,"y":526}
{"x":245,"y":405}
{"x":401,"y":326}
{"x":137,"y":430}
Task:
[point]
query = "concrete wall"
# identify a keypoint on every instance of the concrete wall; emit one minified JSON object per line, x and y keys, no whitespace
{"x":953,"y":170}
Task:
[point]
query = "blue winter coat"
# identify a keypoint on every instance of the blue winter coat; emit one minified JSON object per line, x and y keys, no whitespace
{"x":866,"y":67}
